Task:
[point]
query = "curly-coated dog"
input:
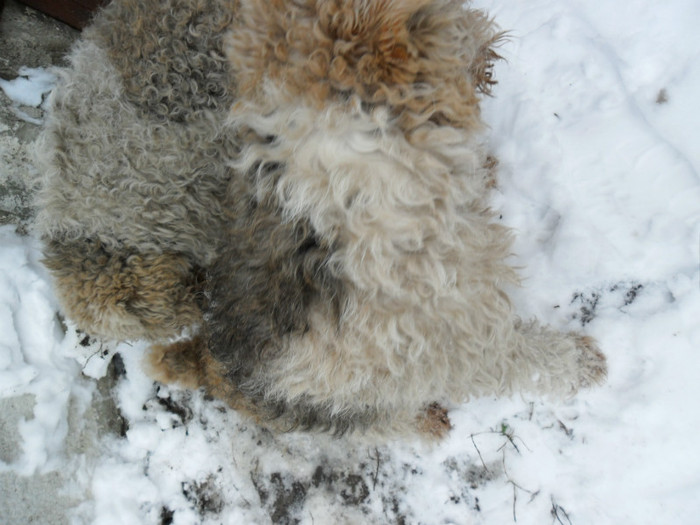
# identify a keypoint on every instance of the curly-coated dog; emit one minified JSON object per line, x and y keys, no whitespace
{"x":299,"y":184}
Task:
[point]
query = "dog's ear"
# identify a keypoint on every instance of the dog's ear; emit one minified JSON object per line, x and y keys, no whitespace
{"x":450,"y":37}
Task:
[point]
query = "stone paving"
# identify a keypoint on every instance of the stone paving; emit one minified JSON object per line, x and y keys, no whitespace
{"x":32,"y":40}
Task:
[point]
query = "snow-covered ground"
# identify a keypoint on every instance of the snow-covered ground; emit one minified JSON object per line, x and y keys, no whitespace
{"x":595,"y":122}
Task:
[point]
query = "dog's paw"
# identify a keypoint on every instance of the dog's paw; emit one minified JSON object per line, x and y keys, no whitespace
{"x":433,"y":422}
{"x":592,"y":364}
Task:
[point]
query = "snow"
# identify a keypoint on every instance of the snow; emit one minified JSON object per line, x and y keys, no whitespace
{"x":29,"y":88}
{"x":594,"y":122}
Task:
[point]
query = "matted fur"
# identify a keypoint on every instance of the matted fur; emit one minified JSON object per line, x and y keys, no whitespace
{"x":328,"y":177}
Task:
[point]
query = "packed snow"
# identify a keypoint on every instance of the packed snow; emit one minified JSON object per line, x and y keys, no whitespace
{"x":594,"y":121}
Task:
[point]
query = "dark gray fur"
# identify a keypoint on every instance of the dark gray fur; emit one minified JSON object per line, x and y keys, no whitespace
{"x":267,"y":276}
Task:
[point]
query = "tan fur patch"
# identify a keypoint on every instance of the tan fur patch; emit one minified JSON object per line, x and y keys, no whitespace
{"x":124,"y":295}
{"x":426,"y":59}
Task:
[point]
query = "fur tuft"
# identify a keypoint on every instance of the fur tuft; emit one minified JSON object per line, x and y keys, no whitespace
{"x":425,"y":60}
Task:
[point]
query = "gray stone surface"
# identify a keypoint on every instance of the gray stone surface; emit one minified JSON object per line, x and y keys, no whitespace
{"x":27,"y":39}
{"x":33,"y":499}
{"x":13,"y":409}
{"x":31,"y":39}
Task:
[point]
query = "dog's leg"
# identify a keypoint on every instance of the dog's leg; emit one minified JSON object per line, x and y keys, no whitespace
{"x":190,"y":364}
{"x":123,"y":295}
{"x":433,"y":423}
{"x":545,"y":361}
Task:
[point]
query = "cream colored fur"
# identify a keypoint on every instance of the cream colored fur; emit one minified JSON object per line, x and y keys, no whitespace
{"x":426,"y":316}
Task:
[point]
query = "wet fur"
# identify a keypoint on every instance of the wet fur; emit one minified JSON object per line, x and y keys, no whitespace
{"x":319,"y":161}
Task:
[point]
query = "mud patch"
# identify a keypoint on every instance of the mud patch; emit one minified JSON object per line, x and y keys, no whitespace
{"x":619,"y":295}
{"x":282,"y":496}
{"x":204,"y":495}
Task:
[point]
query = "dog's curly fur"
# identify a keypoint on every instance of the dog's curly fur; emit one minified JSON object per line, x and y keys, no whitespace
{"x":134,"y":158}
{"x":319,"y":162}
